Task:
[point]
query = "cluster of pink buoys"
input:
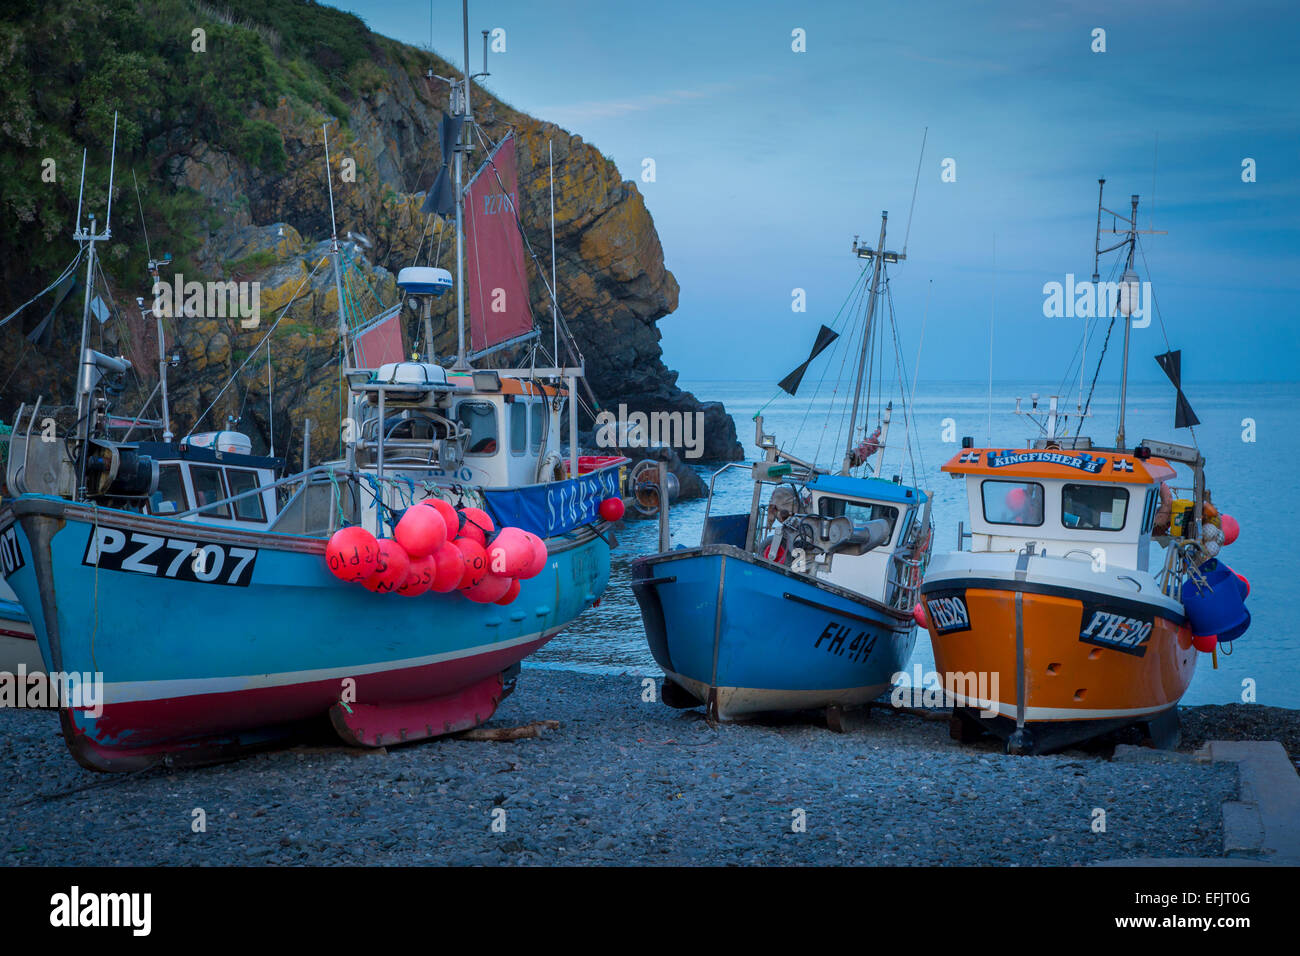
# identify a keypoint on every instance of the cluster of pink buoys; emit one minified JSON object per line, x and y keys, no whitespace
{"x":436,"y":547}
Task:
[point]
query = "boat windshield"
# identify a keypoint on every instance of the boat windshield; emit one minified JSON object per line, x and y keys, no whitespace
{"x":1012,"y":502}
{"x":1094,"y":507}
{"x":859,"y":512}
{"x":481,"y":420}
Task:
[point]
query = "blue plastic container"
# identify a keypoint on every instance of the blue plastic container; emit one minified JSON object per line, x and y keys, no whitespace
{"x":1218,"y":608}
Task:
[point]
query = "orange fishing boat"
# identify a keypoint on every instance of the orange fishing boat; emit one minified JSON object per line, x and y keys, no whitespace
{"x":1056,"y":609}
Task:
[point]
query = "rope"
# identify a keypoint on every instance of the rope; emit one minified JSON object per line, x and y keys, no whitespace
{"x":53,"y":285}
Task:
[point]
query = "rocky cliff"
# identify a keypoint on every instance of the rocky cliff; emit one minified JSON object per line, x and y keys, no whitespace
{"x":263,"y":215}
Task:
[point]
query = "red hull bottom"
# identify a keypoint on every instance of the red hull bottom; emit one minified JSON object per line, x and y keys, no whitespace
{"x":377,"y":725}
{"x":391,"y":707}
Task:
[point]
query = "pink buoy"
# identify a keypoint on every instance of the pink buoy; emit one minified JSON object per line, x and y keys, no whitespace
{"x":450,"y":516}
{"x":1245,"y":583}
{"x":475,"y":562}
{"x":611,"y":509}
{"x":449,"y":564}
{"x":918,"y":615}
{"x":1205,"y":642}
{"x":1017,"y":498}
{"x":421,"y":531}
{"x":476,"y":524}
{"x":352,"y":554}
{"x":420,"y":578}
{"x":390,"y":573}
{"x":537,"y":563}
{"x":489,"y":590}
{"x":1230,"y":528}
{"x":510,"y":594}
{"x":510,"y":553}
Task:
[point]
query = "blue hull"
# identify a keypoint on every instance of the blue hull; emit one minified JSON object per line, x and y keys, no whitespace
{"x":745,"y":636}
{"x":197,"y":657}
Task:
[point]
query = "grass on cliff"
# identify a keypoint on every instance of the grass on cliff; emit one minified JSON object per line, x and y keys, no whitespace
{"x":68,"y":67}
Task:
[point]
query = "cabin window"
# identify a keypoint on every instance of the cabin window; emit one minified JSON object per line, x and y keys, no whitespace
{"x":518,"y":428}
{"x":537,"y":414}
{"x":1012,"y":502}
{"x":859,"y":512}
{"x":1094,"y":507}
{"x":208,"y":487}
{"x":169,"y":499}
{"x":249,"y":508}
{"x":481,"y":420}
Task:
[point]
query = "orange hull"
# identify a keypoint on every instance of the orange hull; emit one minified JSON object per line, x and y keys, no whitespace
{"x":1111,"y":675}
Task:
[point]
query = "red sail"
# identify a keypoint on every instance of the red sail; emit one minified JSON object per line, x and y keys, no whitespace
{"x":494,"y":252}
{"x":381,"y":342}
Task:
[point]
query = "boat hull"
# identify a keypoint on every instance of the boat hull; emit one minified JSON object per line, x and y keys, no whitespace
{"x":194,"y":668}
{"x":744,"y":636}
{"x":18,"y":647}
{"x":1068,"y":663}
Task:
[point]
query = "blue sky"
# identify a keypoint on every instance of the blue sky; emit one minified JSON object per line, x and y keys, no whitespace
{"x":769,"y":161}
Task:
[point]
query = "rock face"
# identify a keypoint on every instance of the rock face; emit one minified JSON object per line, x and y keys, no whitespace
{"x":272,"y":228}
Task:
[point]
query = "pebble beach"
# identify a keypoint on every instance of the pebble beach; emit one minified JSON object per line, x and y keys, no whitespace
{"x":619,"y":781}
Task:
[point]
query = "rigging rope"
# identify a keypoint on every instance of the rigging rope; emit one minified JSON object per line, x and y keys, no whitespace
{"x":53,"y":285}
{"x":292,"y":299}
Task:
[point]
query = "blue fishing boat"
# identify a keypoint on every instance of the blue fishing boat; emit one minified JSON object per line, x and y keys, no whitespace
{"x":806,"y":601}
{"x":206,"y":617}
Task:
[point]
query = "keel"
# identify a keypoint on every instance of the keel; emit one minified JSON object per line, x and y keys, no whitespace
{"x":381,"y":725}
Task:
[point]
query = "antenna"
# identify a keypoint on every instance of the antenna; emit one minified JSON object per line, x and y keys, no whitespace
{"x":334,"y":249}
{"x":1096,"y":249}
{"x":485,"y":52}
{"x":915,"y":183}
{"x":555,"y":291}
{"x":82,"y":191}
{"x":112,"y":165}
{"x":993,"y":295}
{"x":329,"y":180}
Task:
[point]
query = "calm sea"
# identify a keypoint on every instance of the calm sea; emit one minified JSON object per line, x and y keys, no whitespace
{"x":1254,"y":481}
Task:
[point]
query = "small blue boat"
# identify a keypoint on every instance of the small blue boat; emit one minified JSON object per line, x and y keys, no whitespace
{"x":743,"y":634}
{"x":806,"y":601}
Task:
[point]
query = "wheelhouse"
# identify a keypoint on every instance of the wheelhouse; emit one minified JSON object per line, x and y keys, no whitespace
{"x":880,"y":514}
{"x":224,"y":488}
{"x":1066,"y":502}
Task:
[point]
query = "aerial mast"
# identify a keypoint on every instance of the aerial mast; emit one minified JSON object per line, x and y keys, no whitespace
{"x":878,"y":257}
{"x":1128,"y":286}
{"x":85,"y":361}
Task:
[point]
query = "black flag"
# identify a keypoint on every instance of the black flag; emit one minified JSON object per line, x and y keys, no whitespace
{"x":441,"y":198}
{"x":1172,"y":363}
{"x":824,"y":338}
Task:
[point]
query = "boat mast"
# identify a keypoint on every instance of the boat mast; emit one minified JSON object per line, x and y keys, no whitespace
{"x":155,"y":270}
{"x":334,"y":256}
{"x":85,"y":366}
{"x":1127,"y":281}
{"x":1129,"y":288}
{"x":460,"y":102}
{"x":879,"y":257}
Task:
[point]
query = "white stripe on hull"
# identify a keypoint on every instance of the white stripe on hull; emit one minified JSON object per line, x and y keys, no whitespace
{"x":1062,"y":713}
{"x":735,"y":702}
